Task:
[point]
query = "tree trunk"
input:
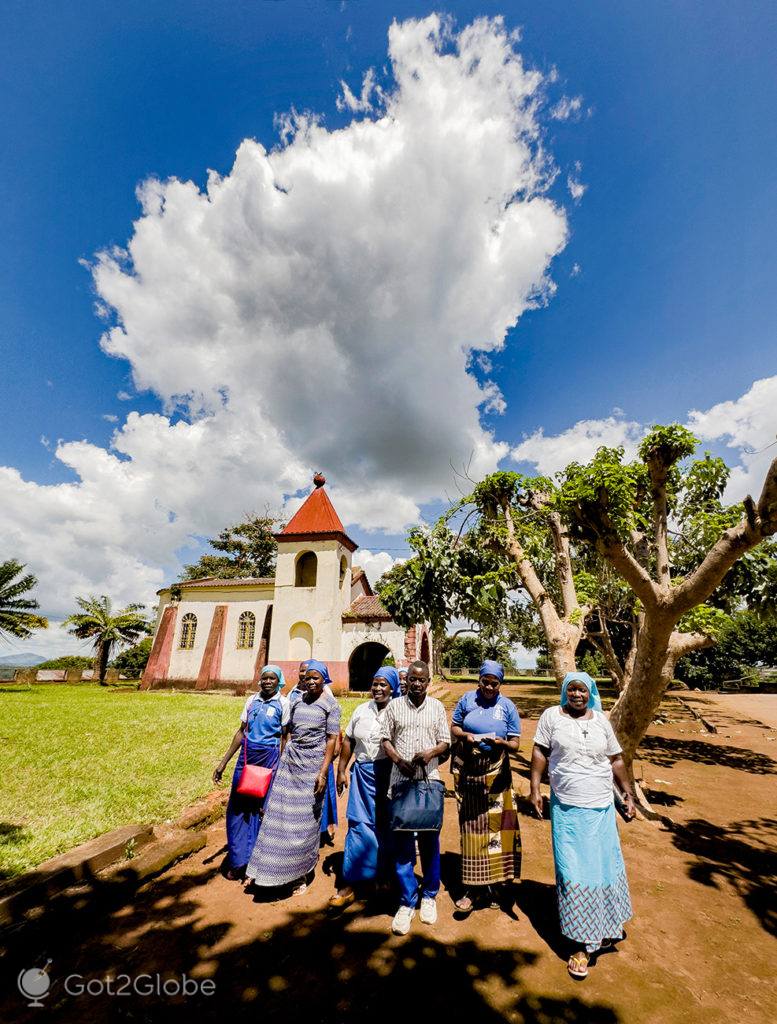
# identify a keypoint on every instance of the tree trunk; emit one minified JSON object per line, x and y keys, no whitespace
{"x":561,"y":648}
{"x":637,"y":704}
{"x":101,"y":662}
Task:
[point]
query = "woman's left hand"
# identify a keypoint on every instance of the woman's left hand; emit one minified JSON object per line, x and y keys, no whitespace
{"x":320,"y":785}
{"x":631,"y":810}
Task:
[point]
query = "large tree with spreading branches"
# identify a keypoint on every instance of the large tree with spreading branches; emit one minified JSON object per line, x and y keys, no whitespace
{"x":642,"y":560}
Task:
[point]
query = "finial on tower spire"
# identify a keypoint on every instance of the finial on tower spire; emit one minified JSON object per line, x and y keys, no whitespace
{"x":319,"y":479}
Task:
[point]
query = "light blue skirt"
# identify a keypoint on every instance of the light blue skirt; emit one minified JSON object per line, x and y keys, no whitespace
{"x":366,"y":844}
{"x":591,"y":885}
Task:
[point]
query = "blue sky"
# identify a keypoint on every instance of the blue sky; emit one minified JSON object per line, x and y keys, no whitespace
{"x":665,"y":300}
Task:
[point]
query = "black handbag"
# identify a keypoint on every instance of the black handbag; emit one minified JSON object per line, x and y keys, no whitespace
{"x":417,"y":805}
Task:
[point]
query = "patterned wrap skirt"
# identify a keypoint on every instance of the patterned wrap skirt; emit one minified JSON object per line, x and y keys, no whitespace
{"x":593,"y":893}
{"x":488,"y":820}
{"x":288,"y":842}
{"x":366,"y":844}
{"x":244,"y":813}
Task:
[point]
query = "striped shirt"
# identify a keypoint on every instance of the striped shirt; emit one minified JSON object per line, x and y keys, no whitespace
{"x":413,"y":729}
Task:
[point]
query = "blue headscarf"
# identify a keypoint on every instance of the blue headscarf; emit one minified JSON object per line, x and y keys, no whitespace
{"x":492,"y":668}
{"x":594,"y":700}
{"x":278,"y":673}
{"x":318,"y":666}
{"x":390,"y":674}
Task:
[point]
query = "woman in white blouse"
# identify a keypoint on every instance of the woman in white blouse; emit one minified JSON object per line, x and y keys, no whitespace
{"x":576,"y":741}
{"x":364,"y":859}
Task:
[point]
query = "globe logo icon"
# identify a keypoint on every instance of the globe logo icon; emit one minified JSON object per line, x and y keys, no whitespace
{"x":34,"y":984}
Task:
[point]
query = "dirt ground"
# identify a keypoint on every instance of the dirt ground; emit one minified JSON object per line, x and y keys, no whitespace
{"x":701,"y":946}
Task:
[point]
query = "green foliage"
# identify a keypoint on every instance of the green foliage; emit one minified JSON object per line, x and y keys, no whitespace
{"x":706,"y":619}
{"x":462,"y":652}
{"x":68,"y":661}
{"x":17,"y":608}
{"x":593,"y":663}
{"x":604,"y":497}
{"x":389,"y":660}
{"x":744,"y":644}
{"x":132,"y":661}
{"x":249,"y":549}
{"x":667,"y":445}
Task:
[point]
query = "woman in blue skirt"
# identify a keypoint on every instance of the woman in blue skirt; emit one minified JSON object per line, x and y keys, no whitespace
{"x":577,"y":742}
{"x":365,"y":858}
{"x":260,"y":737}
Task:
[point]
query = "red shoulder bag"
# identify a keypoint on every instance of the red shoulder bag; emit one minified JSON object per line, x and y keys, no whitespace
{"x":254,"y":779}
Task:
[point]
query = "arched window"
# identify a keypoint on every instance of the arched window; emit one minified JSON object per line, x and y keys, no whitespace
{"x":343,"y":569}
{"x":246,"y":629}
{"x":307,"y":567}
{"x":188,"y":631}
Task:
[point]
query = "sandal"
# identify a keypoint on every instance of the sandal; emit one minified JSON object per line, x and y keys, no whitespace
{"x":577,"y":965}
{"x":298,"y":891}
{"x":464,"y":904}
{"x":342,"y":899}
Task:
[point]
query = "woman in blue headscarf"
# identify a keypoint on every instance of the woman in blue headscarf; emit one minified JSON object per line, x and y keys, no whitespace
{"x":577,"y":742}
{"x":487,"y":729}
{"x":365,"y":858}
{"x":287,"y":846}
{"x":260,"y":741}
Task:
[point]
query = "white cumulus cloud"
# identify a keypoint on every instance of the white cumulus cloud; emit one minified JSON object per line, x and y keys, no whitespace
{"x":315,"y":307}
{"x":749,"y":423}
{"x":375,"y":563}
{"x":551,"y":453}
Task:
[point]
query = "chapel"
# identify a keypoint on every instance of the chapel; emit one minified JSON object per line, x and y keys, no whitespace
{"x":220,"y":633}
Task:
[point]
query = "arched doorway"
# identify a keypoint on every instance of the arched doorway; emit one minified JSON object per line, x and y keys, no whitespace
{"x":364,"y":662}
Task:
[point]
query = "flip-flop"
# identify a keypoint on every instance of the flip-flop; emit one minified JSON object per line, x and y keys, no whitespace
{"x":577,"y":965}
{"x":464,"y":905}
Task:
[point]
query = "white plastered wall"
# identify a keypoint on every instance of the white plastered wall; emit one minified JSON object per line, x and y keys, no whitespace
{"x":235,"y":664}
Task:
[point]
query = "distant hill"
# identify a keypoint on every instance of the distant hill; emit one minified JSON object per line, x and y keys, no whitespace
{"x":22,"y":660}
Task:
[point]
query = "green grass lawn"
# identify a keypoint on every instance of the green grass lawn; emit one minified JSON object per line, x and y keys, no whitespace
{"x":77,"y":761}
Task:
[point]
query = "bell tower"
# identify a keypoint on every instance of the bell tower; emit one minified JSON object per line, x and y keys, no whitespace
{"x":312,"y":583}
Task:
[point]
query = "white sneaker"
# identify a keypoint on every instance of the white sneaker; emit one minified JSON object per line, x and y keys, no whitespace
{"x":401,"y":923}
{"x":428,"y":913}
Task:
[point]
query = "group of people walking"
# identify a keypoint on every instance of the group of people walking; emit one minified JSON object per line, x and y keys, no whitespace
{"x":389,"y":762}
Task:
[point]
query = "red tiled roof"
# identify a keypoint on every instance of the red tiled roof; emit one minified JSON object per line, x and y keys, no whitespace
{"x":214,"y":581}
{"x":316,"y":518}
{"x":366,"y":608}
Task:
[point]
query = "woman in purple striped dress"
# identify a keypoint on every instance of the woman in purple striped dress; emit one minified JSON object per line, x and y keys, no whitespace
{"x":286,"y":849}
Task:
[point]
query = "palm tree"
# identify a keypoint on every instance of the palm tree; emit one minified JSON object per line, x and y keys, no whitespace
{"x":17,"y":608}
{"x":96,"y":622}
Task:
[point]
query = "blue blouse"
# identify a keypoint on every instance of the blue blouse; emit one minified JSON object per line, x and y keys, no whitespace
{"x":476,"y":715}
{"x":264,"y":719}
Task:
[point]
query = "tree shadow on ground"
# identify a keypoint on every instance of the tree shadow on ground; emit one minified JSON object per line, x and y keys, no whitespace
{"x":665,"y":751}
{"x":741,"y":854}
{"x":537,"y":900}
{"x":11,"y":835}
{"x":313,"y":967}
{"x":660,"y":798}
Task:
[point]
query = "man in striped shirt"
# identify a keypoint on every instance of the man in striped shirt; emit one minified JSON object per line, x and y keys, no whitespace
{"x":415,"y":736}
